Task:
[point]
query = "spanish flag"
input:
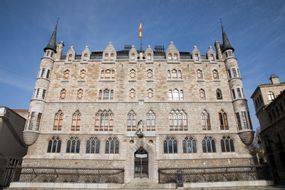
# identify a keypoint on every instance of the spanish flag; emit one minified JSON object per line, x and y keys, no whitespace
{"x":140,"y":31}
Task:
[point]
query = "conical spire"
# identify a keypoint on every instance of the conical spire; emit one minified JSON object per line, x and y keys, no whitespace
{"x":226,"y":42}
{"x":52,"y":42}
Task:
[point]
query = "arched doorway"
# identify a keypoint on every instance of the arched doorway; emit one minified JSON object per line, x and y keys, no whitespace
{"x":141,"y":163}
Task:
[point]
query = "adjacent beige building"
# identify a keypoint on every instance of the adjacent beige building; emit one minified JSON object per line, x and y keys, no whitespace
{"x":269,"y":101}
{"x":139,"y":111}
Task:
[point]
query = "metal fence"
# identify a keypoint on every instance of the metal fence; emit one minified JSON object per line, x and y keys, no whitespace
{"x":212,"y":174}
{"x":66,"y":175}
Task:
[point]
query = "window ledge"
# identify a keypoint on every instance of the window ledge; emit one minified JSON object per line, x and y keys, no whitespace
{"x":107,"y":80}
{"x":175,"y":80}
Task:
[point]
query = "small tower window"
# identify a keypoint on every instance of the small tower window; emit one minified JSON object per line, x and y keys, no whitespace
{"x":66,"y":74}
{"x":82,"y":74}
{"x":42,"y":72}
{"x":219,"y":94}
{"x":202,"y":94}
{"x":79,"y":93}
{"x":132,"y":93}
{"x":43,"y":94}
{"x":215,"y":74}
{"x":199,"y":74}
{"x":149,"y":93}
{"x":62,"y":94}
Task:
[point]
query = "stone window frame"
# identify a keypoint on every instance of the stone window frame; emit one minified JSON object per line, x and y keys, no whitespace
{"x":54,"y":145}
{"x":76,"y":120}
{"x":80,"y":93}
{"x":175,"y":95}
{"x":205,"y":120}
{"x":202,"y":94}
{"x":149,"y":74}
{"x":108,"y":74}
{"x":82,"y":73}
{"x":66,"y":74}
{"x":104,"y":120}
{"x":223,"y":119}
{"x":112,"y":145}
{"x":219,"y":94}
{"x":174,"y":74}
{"x":227,"y":144}
{"x":200,"y":75}
{"x":132,"y":74}
{"x":58,"y":121}
{"x":132,"y":93}
{"x":149,"y":93}
{"x":62,"y":94}
{"x":170,"y":145}
{"x":93,"y":145}
{"x":73,"y":145}
{"x":178,"y":120}
{"x":189,"y":145}
{"x":106,"y":94}
{"x":150,"y":121}
{"x":131,"y":121}
{"x":215,"y":74}
{"x":208,"y":144}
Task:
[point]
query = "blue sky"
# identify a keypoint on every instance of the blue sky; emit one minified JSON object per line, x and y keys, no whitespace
{"x":256,"y":29}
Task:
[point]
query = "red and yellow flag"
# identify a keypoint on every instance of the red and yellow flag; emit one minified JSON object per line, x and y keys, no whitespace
{"x":140,"y":30}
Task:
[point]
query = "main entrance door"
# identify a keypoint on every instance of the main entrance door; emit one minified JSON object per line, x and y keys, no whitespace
{"x":141,"y":163}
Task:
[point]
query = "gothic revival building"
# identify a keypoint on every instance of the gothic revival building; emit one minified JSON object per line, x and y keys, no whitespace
{"x":138,"y":111}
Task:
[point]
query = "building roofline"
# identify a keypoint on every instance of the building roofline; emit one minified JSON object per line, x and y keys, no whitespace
{"x":266,"y":85}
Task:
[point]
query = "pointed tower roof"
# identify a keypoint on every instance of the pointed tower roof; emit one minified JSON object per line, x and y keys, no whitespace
{"x":226,"y":42}
{"x":52,"y":41}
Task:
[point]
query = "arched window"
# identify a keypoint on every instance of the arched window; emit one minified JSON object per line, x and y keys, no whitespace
{"x":189,"y":145}
{"x":199,"y":74}
{"x":132,"y":73}
{"x":82,"y":73}
{"x":219,"y":94}
{"x":73,"y":145}
{"x":149,"y":74}
{"x":58,"y":119}
{"x":132,"y":93}
{"x":208,"y":144}
{"x":150,"y":121}
{"x":66,"y":74}
{"x":205,"y":120}
{"x":170,"y":145}
{"x":223,"y":120}
{"x":62,"y":94}
{"x":106,"y":94}
{"x":174,"y":74}
{"x":149,"y":93}
{"x":131,"y":122}
{"x":149,"y":56}
{"x":215,"y":74}
{"x":178,"y":120}
{"x":112,"y":146}
{"x":85,"y":57}
{"x":202,"y":94}
{"x":54,"y":145}
{"x":79,"y":93}
{"x":175,"y":94}
{"x":104,"y":120}
{"x":108,"y":74}
{"x":271,"y":96}
{"x":75,"y":126}
{"x":227,"y":144}
{"x":92,"y":145}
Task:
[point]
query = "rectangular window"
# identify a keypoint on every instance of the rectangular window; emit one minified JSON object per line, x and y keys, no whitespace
{"x":234,"y":94}
{"x":238,"y":121}
{"x":47,"y":73}
{"x":239,"y":93}
{"x":37,"y":93}
{"x":229,"y":73}
{"x":38,"y":121}
{"x":43,"y":72}
{"x":244,"y":120}
{"x":43,"y":94}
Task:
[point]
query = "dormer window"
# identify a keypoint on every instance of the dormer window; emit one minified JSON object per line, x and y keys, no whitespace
{"x":112,"y":56}
{"x":148,"y":56}
{"x":211,"y":57}
{"x":69,"y":57}
{"x":196,"y":57}
{"x":175,"y":57}
{"x":169,"y":56}
{"x":133,"y":56}
{"x":85,"y":57}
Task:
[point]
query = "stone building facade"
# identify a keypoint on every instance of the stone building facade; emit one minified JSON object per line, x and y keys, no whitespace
{"x":269,"y":101}
{"x":138,"y":110}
